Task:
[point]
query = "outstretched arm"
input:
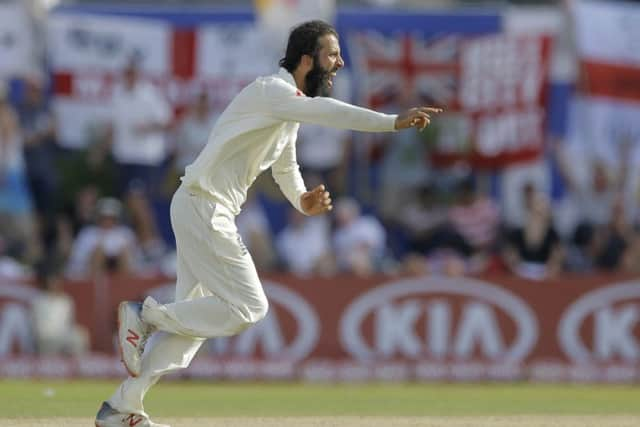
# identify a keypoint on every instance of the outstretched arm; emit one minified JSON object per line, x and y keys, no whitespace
{"x":284,"y":102}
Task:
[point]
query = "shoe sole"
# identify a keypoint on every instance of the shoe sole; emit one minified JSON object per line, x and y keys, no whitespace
{"x":122,"y":307}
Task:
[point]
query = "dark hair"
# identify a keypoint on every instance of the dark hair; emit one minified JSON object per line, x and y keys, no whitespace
{"x":46,"y":270}
{"x":303,"y":40}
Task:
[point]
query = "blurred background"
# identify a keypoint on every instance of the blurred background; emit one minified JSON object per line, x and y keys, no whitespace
{"x":500,"y":243}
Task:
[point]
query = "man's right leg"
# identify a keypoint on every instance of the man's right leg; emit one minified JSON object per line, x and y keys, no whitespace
{"x":165,"y":352}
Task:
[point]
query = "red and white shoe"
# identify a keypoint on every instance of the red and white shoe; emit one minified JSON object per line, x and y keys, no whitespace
{"x":133,"y":333}
{"x":109,"y":417}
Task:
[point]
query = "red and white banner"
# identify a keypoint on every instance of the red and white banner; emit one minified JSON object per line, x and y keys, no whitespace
{"x":423,"y":328}
{"x":606,"y":109}
{"x":88,"y":52}
{"x":492,"y":87}
{"x":18,"y":51}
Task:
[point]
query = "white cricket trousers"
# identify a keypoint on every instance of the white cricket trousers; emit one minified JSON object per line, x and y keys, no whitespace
{"x":218,"y":293}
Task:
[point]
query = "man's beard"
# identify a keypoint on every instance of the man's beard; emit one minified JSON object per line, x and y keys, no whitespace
{"x":317,"y":80}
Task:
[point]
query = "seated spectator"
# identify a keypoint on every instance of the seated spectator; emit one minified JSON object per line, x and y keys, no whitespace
{"x":304,"y":246}
{"x":580,"y":257}
{"x":534,"y":251}
{"x":614,"y":245}
{"x":610,"y":246}
{"x":359,"y":240}
{"x":106,"y":247}
{"x":433,"y":245}
{"x":17,"y":222}
{"x":10,"y":268}
{"x":476,"y":218}
{"x":81,"y":211}
{"x":53,"y":317}
{"x":591,"y":190}
{"x":445,"y":262}
{"x":424,"y":220}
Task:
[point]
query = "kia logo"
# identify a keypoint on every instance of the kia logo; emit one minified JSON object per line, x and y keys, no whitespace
{"x":439,"y":318}
{"x":613,"y":316}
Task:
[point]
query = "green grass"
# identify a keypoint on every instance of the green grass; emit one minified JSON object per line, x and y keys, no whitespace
{"x":201,"y":399}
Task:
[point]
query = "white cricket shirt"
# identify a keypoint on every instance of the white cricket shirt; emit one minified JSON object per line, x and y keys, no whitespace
{"x":258,"y":130}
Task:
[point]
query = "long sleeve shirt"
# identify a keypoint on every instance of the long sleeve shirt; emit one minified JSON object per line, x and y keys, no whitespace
{"x":258,"y":130}
{"x":140,"y":106}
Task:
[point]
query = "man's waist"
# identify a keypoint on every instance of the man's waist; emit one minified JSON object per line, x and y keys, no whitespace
{"x":196,"y":190}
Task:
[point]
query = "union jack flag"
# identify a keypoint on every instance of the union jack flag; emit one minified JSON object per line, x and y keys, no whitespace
{"x":390,"y":68}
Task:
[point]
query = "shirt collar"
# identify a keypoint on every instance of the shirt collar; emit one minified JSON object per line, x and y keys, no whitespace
{"x":287,"y":77}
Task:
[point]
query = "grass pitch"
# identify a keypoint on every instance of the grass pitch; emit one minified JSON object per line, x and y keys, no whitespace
{"x":182,"y":404}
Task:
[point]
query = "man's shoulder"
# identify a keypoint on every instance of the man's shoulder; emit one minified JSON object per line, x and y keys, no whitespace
{"x":275,"y":83}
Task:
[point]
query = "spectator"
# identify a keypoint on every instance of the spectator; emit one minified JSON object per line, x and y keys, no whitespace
{"x":10,"y":268}
{"x":580,"y":250}
{"x":591,"y":189}
{"x":442,"y":261}
{"x":255,"y":232}
{"x":434,"y":244}
{"x":359,"y":240}
{"x":424,"y":221}
{"x":476,"y":218}
{"x":16,"y":210}
{"x":141,"y":116}
{"x":615,"y":244}
{"x":515,"y":182}
{"x":39,"y":132}
{"x":304,"y":245}
{"x":82,"y":210}
{"x":534,"y":251}
{"x":405,"y":168}
{"x":193,"y":132}
{"x":151,"y":248}
{"x":106,"y":247}
{"x":53,"y":317}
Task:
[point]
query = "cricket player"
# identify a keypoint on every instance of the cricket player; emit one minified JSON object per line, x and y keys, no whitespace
{"x":218,"y":292}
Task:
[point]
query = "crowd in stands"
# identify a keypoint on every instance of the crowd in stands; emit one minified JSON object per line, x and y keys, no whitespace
{"x":104,"y":209}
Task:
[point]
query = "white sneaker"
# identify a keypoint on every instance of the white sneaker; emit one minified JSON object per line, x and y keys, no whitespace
{"x":109,"y":417}
{"x":133,"y":333}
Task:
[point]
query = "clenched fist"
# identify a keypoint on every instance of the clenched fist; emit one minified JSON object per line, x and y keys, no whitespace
{"x":316,"y":201}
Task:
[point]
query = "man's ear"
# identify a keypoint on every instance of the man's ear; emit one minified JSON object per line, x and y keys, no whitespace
{"x":307,"y":62}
